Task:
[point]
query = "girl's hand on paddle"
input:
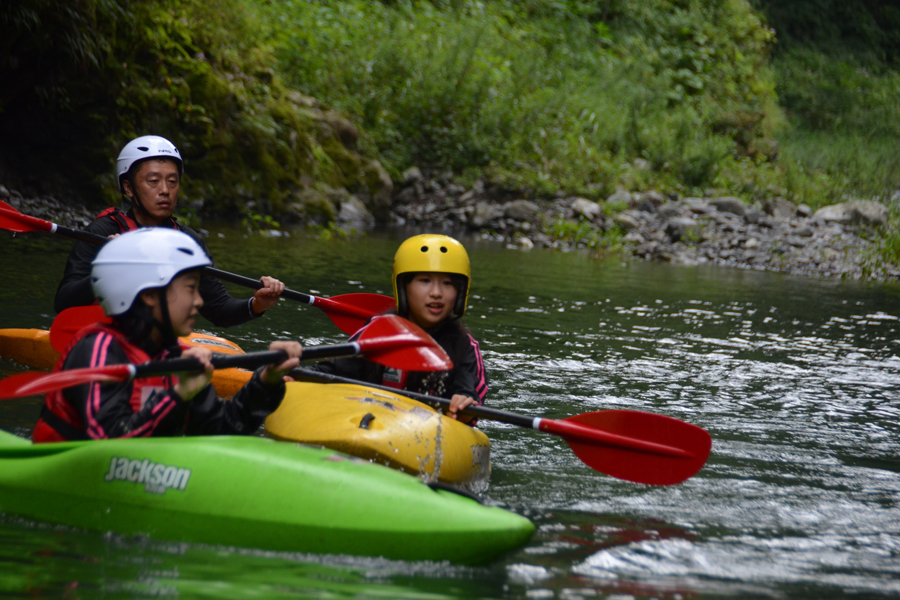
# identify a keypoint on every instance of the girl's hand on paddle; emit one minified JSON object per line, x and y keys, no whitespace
{"x":275,"y":374}
{"x":458,"y":403}
{"x":266,"y":297}
{"x":190,"y":384}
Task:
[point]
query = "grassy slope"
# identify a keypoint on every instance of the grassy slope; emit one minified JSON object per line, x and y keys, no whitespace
{"x":582,"y":96}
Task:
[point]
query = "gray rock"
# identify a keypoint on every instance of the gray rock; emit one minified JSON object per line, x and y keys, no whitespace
{"x":4,"y":193}
{"x":521,"y":210}
{"x":698,"y":205}
{"x":620,"y":197}
{"x":483,"y":214}
{"x":634,"y":237}
{"x":680,"y":227}
{"x":411,"y":175}
{"x":753,"y":215}
{"x":626,"y":221}
{"x":730,"y":204}
{"x":587,"y":209}
{"x":466,"y":198}
{"x":804,"y":211}
{"x":869,"y":212}
{"x":646,"y":206}
{"x":406,"y":195}
{"x":354,"y":212}
{"x":525,"y":243}
{"x":836,"y":213}
{"x":654,"y":197}
{"x":667,"y":211}
{"x":779,"y":208}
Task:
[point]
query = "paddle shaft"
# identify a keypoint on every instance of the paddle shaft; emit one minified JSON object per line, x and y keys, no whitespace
{"x":572,"y":431}
{"x":250,"y":360}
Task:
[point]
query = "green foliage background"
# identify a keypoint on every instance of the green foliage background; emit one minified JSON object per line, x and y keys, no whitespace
{"x":785,"y":97}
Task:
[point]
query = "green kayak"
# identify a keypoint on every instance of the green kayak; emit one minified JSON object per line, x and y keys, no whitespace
{"x":250,"y":492}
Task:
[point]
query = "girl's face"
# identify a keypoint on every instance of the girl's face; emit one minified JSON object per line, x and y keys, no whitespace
{"x":183,"y":301}
{"x":183,"y":296}
{"x":431,"y":298}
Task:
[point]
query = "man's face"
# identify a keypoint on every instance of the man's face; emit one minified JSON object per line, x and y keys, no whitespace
{"x":156,"y":184}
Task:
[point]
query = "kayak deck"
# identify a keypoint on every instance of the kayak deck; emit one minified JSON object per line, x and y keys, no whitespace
{"x":250,"y":492}
{"x":386,"y":428}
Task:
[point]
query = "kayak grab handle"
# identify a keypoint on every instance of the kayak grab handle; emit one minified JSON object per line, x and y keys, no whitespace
{"x":367,"y":418}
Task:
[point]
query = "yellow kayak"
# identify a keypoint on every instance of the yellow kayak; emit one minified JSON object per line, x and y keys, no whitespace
{"x":32,"y":347}
{"x":386,"y":428}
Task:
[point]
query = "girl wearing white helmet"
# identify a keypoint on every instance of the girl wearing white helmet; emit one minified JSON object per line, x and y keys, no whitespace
{"x":148,"y":282}
{"x":148,"y":173}
{"x":431,"y":280}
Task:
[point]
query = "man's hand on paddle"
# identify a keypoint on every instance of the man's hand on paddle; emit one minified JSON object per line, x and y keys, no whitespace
{"x":458,"y":403}
{"x":266,"y":297}
{"x":274,"y":374}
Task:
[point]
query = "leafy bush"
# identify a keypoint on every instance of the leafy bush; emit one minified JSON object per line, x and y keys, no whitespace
{"x":90,"y":74}
{"x":540,"y":96}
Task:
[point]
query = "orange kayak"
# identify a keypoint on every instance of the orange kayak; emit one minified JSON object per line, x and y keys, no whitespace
{"x":32,"y":347}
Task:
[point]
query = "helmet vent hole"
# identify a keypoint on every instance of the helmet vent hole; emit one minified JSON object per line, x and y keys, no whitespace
{"x":187,"y":251}
{"x":424,"y":248}
{"x":444,"y":249}
{"x":143,"y":148}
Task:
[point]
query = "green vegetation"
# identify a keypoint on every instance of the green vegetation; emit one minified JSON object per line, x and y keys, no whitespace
{"x":544,"y":96}
{"x":277,"y":106}
{"x":90,"y":74}
{"x":838,"y":73}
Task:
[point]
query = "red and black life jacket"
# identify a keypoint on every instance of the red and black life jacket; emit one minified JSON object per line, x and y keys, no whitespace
{"x":61,"y":422}
{"x":124,"y":222}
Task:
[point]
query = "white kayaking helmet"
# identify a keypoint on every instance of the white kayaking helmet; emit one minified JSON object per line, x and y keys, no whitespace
{"x":142,"y":148}
{"x":141,"y":260}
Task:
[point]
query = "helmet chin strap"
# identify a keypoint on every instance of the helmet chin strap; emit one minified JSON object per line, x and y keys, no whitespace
{"x":165,"y":328}
{"x":135,"y":199}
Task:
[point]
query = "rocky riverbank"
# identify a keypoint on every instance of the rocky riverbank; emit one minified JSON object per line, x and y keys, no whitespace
{"x":771,"y":235}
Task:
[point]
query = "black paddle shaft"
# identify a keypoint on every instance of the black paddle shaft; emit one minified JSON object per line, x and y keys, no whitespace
{"x":251,"y":360}
{"x":474,"y":410}
{"x":93,"y":238}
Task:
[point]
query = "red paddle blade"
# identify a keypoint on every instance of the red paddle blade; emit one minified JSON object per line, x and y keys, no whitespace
{"x":9,"y":387}
{"x":35,"y":383}
{"x":13,"y":220}
{"x":351,"y":311}
{"x":395,"y":342}
{"x":71,"y":321}
{"x":635,"y":446}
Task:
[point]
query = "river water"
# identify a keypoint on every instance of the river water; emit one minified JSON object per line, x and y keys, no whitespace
{"x":794,"y":378}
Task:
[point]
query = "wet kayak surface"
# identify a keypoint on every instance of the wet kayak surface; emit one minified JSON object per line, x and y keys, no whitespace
{"x":795,"y":378}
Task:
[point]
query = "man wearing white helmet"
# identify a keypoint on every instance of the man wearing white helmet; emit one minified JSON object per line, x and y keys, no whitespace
{"x":148,"y":281}
{"x":148,"y":171}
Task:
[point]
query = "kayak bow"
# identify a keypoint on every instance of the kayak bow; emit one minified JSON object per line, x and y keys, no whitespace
{"x":250,"y":492}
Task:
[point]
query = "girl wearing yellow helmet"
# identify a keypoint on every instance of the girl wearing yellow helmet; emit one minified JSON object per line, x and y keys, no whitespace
{"x":431,"y":280}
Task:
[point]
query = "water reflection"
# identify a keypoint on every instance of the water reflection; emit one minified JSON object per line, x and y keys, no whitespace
{"x":796,"y":379}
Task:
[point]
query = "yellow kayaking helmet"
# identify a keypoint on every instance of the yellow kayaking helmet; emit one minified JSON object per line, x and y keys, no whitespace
{"x":432,"y":253}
